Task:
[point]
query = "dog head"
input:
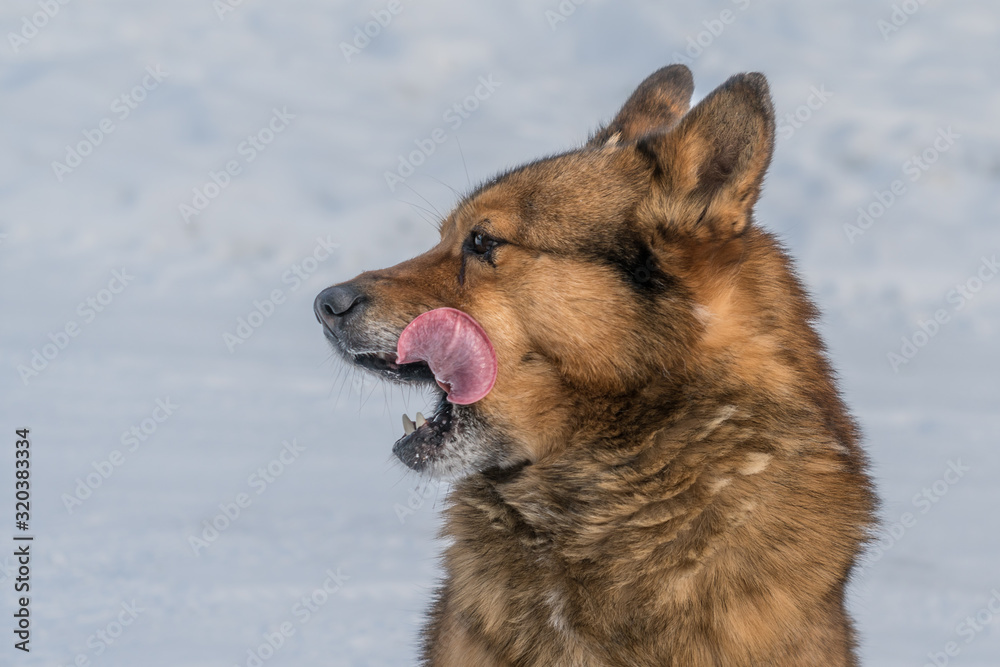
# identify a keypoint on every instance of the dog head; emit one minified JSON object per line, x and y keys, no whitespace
{"x":588,"y":272}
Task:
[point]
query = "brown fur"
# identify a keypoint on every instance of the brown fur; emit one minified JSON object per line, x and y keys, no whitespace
{"x":664,"y":472}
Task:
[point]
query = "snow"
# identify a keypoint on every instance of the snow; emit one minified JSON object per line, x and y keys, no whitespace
{"x":334,"y":514}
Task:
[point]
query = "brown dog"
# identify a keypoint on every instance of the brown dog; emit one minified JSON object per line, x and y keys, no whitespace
{"x":663,"y":472}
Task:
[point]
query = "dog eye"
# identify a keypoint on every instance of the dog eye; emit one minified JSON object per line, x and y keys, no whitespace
{"x":480,"y":243}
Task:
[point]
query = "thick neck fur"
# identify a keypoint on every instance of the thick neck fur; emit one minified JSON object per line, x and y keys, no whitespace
{"x":719,"y":528}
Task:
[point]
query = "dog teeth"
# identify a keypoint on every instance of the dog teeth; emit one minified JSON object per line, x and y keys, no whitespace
{"x":384,"y":356}
{"x":409,"y":426}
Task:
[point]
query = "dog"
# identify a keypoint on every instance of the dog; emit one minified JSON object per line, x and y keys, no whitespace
{"x":651,"y":461}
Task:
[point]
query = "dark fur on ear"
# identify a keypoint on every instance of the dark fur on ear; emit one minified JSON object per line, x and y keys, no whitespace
{"x":712,"y":163}
{"x":656,"y":105}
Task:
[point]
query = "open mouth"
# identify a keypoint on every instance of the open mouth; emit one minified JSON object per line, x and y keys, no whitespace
{"x":423,"y":437}
{"x":444,"y":349}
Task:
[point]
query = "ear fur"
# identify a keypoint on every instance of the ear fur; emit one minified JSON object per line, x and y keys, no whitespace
{"x":711,"y":165}
{"x":655,"y":106}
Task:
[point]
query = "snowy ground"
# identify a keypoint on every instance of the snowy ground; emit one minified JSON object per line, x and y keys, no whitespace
{"x":335,"y":506}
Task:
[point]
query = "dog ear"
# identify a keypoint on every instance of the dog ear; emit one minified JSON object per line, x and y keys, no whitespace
{"x":713,"y":162}
{"x":656,"y":105}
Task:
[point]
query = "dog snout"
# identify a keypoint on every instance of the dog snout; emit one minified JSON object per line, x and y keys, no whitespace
{"x":335,"y":303}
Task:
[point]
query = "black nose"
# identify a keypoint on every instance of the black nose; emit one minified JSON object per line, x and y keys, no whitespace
{"x":335,"y":302}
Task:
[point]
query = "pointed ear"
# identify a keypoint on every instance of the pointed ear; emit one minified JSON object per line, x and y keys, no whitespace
{"x":656,"y":105}
{"x":712,"y":164}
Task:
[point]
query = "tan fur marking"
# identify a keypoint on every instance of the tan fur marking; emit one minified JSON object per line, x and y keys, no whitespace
{"x":755,"y":463}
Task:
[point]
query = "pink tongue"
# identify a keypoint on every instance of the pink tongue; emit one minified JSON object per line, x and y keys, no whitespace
{"x":456,"y":348}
